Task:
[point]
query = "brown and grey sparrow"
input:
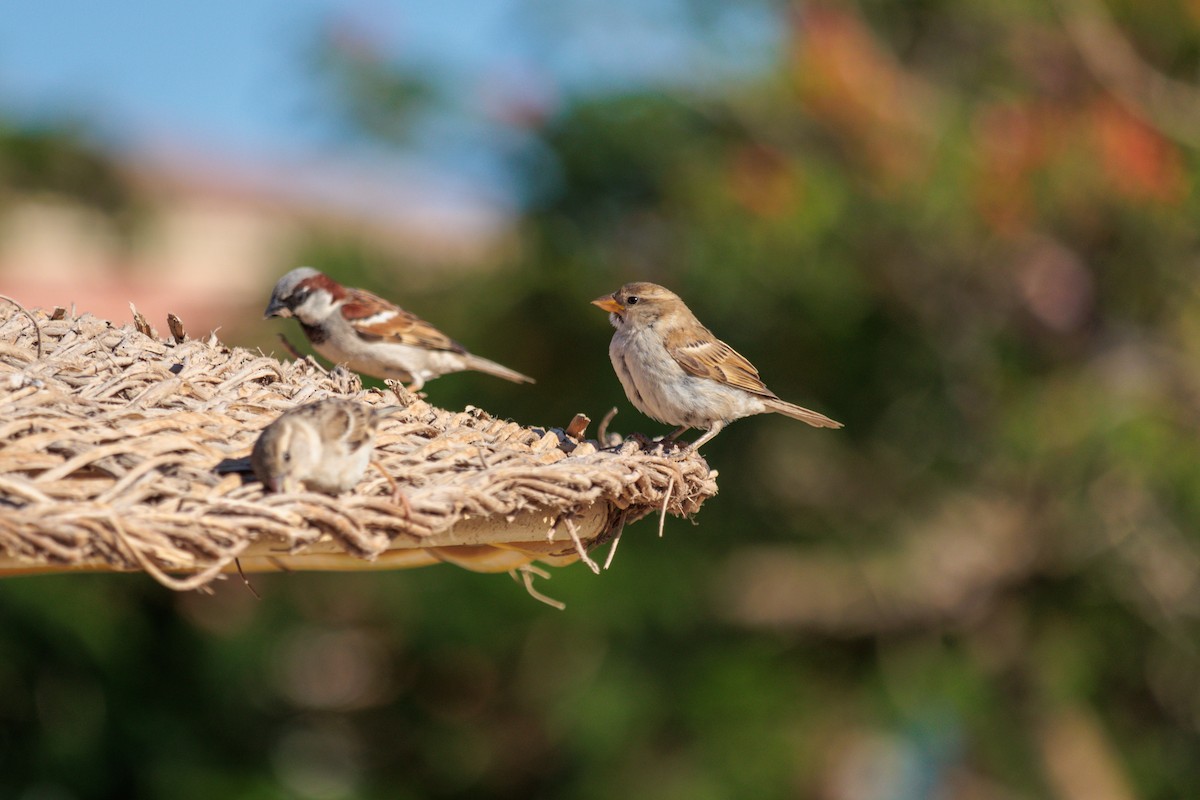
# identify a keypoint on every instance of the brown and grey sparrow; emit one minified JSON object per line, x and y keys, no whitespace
{"x":675,"y":371}
{"x":370,"y":335}
{"x":323,"y":446}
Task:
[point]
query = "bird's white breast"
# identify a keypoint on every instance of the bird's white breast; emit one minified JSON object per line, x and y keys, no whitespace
{"x":384,"y":359}
{"x":661,"y":389}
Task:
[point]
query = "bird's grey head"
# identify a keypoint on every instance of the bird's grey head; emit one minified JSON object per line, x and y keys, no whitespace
{"x":306,"y":294}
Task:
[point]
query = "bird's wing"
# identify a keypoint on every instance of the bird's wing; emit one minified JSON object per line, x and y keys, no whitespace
{"x":374,"y":318}
{"x":343,"y":421}
{"x":705,"y":356}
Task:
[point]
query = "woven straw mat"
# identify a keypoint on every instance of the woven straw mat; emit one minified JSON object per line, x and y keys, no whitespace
{"x":123,"y":451}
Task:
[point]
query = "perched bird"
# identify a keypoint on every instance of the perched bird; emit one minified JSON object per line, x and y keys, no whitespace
{"x":370,"y":335}
{"x":675,"y":371}
{"x":324,"y":446}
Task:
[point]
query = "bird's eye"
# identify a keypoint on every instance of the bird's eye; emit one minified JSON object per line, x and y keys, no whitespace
{"x":632,"y":300}
{"x":287,"y":456}
{"x":299,"y":296}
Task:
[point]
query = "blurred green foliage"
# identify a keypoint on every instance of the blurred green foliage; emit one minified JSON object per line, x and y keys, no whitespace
{"x":929,"y":220}
{"x":57,"y":159}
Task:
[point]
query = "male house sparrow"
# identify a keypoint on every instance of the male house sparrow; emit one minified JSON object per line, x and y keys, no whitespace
{"x":370,"y":335}
{"x":324,"y":446}
{"x":675,"y":371}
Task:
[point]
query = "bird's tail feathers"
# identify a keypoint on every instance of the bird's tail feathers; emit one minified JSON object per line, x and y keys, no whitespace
{"x":817,"y":420}
{"x":498,"y":370}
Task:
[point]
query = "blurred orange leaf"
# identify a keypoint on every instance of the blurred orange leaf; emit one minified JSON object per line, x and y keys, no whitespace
{"x":1138,"y":160}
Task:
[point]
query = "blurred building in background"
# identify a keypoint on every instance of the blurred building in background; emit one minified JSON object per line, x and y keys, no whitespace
{"x":206,"y":237}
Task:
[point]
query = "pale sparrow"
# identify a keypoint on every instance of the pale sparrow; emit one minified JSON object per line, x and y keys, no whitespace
{"x":675,"y":371}
{"x":323,"y":446}
{"x":370,"y":335}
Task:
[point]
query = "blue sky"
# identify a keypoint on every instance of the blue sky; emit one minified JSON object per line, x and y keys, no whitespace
{"x":237,"y":76}
{"x":222,"y":73}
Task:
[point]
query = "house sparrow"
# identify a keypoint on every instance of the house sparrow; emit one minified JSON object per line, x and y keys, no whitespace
{"x":324,"y":446}
{"x":370,"y":335}
{"x":675,"y":371}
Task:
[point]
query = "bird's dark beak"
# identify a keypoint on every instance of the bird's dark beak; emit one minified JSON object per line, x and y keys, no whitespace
{"x":609,"y":304}
{"x":276,"y":308}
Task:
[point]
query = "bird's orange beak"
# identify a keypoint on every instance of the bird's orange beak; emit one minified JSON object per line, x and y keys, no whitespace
{"x":609,"y":303}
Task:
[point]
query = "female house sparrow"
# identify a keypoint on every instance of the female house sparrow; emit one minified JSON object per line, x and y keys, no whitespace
{"x":370,"y":335}
{"x":675,"y":371}
{"x":324,"y":446}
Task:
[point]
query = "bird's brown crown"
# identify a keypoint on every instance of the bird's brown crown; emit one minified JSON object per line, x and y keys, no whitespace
{"x":643,"y":292}
{"x":323,"y":281}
